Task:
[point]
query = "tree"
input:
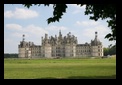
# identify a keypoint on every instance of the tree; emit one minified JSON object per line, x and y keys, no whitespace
{"x":106,"y":51}
{"x":13,"y":55}
{"x":111,"y":50}
{"x":103,"y":11}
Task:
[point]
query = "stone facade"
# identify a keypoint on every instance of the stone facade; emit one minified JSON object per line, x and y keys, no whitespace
{"x":60,"y":46}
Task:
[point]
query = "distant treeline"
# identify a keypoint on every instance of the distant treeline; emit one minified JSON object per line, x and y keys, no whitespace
{"x":110,"y":50}
{"x":7,"y":55}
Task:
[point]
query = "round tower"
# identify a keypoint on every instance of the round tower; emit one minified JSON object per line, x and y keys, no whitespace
{"x":96,"y":46}
{"x":22,"y":48}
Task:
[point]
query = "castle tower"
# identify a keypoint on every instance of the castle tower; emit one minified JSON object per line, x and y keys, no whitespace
{"x":46,"y":47}
{"x":60,"y":33}
{"x":96,"y":46}
{"x":24,"y":51}
{"x":70,"y":46}
{"x":21,"y":47}
{"x":67,"y":50}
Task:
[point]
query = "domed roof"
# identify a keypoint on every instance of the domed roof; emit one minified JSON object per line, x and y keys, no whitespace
{"x":96,"y":41}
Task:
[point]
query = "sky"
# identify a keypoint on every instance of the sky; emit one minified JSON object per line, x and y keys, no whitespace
{"x":32,"y":22}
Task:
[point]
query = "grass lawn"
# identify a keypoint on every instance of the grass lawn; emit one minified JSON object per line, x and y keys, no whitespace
{"x":60,"y":68}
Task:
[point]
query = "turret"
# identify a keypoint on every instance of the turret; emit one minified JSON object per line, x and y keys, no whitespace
{"x":96,"y":48}
{"x":60,"y":33}
{"x":42,"y":41}
{"x":96,"y":41}
{"x":23,"y":47}
{"x":22,"y":43}
{"x":23,"y":37}
{"x":95,"y":35}
{"x":46,"y":36}
{"x":46,"y":39}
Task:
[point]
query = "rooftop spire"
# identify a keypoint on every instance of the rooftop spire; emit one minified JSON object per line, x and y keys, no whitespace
{"x":60,"y":33}
{"x":23,"y":37}
{"x":46,"y":36}
{"x":95,"y":35}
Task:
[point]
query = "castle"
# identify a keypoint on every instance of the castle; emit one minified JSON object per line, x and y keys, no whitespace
{"x":60,"y":46}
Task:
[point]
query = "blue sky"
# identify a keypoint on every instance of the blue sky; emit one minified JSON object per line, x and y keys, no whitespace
{"x":19,"y":20}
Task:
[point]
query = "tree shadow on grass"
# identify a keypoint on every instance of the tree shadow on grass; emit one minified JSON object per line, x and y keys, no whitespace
{"x":82,"y":77}
{"x":92,"y":77}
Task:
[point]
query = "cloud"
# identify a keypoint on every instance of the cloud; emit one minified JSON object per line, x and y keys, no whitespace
{"x":32,"y":33}
{"x":20,"y":13}
{"x":30,"y":29}
{"x":78,"y":8}
{"x":19,"y":34}
{"x":76,"y":11}
{"x":8,"y":14}
{"x":90,"y":32}
{"x":87,"y":23}
{"x":87,"y":34}
{"x":35,"y":30}
{"x":14,"y":27}
{"x":55,"y":28}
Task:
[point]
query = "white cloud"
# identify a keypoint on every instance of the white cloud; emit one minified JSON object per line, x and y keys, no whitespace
{"x":87,"y":23}
{"x":76,"y":11}
{"x":55,"y":28}
{"x":90,"y":32}
{"x":78,"y":8}
{"x":32,"y":30}
{"x":35,"y":30}
{"x":14,"y":27}
{"x":8,"y":14}
{"x":32,"y":33}
{"x":19,"y":34}
{"x":16,"y":34}
{"x":29,"y":30}
{"x":87,"y":34}
{"x":20,"y":13}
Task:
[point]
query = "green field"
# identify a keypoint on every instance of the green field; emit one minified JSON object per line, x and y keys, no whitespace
{"x":60,"y":68}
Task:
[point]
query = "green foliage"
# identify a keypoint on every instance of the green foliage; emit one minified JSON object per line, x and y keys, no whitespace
{"x":57,"y":13}
{"x":7,"y":55}
{"x":106,"y":51}
{"x":103,"y":11}
{"x":111,"y":50}
{"x":59,"y":68}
